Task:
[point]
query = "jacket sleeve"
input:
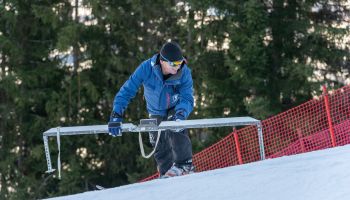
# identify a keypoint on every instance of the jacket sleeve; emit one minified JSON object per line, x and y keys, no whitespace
{"x":129,"y":89}
{"x":185,"y":104}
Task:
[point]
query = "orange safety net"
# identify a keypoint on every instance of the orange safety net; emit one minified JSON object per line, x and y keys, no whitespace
{"x":320,"y":123}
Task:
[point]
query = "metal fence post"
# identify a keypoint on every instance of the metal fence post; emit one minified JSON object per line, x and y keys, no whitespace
{"x":47,"y":154}
{"x":261,"y":141}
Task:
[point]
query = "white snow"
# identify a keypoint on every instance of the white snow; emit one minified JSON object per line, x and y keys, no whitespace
{"x":319,"y":175}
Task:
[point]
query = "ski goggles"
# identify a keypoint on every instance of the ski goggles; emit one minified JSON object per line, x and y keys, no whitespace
{"x":172,"y":64}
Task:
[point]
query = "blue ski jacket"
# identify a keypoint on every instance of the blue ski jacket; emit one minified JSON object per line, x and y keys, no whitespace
{"x":176,"y":92}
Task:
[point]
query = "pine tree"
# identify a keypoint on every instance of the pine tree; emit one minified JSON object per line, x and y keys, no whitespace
{"x":28,"y":77}
{"x":274,"y":51}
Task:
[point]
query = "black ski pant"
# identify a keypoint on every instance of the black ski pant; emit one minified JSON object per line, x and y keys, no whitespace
{"x":173,"y":147}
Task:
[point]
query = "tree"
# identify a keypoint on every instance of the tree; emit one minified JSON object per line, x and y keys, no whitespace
{"x":61,"y":67}
{"x":28,"y":77}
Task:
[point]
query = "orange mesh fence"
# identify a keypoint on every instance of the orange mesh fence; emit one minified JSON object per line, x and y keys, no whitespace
{"x":317,"y":124}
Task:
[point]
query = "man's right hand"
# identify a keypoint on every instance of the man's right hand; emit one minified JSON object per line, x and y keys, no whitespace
{"x":115,"y":125}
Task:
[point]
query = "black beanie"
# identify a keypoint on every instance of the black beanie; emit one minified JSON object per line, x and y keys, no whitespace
{"x":171,"y":51}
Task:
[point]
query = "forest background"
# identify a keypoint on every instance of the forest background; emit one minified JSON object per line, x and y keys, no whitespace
{"x":62,"y":62}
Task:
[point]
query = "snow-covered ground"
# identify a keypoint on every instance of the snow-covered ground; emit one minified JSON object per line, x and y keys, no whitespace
{"x":319,"y":175}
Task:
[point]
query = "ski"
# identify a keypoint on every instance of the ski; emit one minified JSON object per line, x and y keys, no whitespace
{"x":98,"y":187}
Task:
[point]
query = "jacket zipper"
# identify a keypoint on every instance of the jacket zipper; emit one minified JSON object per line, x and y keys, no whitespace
{"x":168,"y":100}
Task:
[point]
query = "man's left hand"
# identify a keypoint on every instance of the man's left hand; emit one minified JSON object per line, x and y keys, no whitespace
{"x":178,"y":117}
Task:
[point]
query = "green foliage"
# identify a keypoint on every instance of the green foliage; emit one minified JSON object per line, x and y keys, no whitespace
{"x":57,"y":69}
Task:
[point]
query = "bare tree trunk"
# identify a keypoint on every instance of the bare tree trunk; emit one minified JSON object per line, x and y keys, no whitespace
{"x":76,"y":54}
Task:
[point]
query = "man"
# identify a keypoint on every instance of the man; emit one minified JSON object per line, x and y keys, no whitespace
{"x":168,"y":90}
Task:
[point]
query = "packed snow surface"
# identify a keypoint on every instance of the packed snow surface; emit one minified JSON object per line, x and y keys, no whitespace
{"x":319,"y":175}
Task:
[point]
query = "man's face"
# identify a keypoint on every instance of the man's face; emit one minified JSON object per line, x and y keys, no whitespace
{"x":168,"y":69}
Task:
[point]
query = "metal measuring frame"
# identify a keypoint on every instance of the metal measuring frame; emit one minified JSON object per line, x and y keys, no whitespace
{"x":147,"y":125}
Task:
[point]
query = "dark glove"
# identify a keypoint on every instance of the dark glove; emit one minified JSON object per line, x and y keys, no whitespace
{"x":178,"y":116}
{"x":115,"y":125}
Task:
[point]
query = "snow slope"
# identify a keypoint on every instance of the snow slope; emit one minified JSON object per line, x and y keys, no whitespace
{"x":319,"y":175}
